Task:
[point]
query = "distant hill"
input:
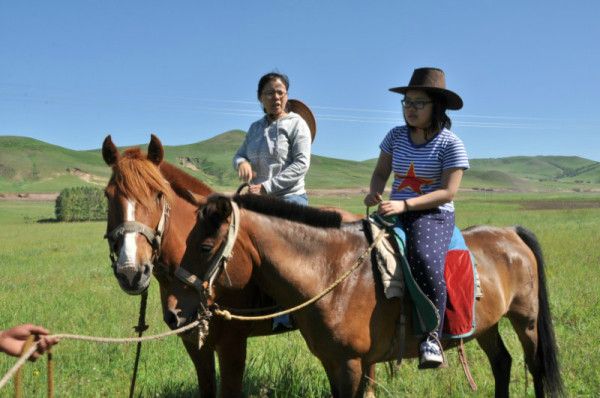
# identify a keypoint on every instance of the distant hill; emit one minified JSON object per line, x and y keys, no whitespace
{"x":29,"y":165}
{"x":534,"y":173}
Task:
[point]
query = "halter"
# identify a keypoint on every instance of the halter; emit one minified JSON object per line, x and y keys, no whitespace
{"x":218,"y":262}
{"x":154,"y":237}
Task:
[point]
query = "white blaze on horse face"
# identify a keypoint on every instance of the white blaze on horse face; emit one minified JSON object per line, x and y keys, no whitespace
{"x":127,"y":256}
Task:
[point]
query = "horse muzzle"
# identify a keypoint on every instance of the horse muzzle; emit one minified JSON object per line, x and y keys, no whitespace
{"x":134,"y":279}
{"x":174,"y":318}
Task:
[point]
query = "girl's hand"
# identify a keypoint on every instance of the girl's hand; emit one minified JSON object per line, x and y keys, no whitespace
{"x":392,"y":207}
{"x":372,"y":199}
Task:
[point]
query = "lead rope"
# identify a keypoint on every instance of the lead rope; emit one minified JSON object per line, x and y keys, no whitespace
{"x":50,"y":368}
{"x":465,"y":365}
{"x":140,"y":328}
{"x":19,"y":376}
{"x":114,"y":340}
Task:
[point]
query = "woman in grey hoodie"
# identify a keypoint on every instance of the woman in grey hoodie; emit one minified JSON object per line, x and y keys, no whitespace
{"x":275,"y":155}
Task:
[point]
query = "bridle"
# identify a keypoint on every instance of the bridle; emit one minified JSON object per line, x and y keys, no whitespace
{"x":218,"y":262}
{"x":153,"y":236}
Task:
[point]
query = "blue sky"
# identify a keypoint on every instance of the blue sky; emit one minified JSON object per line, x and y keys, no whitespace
{"x":73,"y":71}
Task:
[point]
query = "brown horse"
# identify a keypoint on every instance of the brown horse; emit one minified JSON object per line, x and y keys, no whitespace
{"x":151,"y":230}
{"x":294,"y":253}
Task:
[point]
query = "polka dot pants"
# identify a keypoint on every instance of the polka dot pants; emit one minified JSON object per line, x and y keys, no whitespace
{"x":428,"y":235}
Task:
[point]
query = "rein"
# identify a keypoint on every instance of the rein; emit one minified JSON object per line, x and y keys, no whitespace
{"x":140,"y":328}
{"x":229,"y":316}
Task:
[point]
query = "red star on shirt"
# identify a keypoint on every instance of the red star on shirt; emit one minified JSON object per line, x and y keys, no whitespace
{"x":411,"y":180}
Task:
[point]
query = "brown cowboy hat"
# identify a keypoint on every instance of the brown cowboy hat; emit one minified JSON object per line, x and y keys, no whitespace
{"x":299,"y":107}
{"x":431,"y":80}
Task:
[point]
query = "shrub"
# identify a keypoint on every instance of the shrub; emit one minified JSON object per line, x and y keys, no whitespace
{"x":81,"y":204}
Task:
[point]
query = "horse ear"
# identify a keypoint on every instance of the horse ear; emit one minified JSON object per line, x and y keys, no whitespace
{"x":217,"y":209}
{"x":155,"y":150}
{"x":110,"y":153}
{"x":198,"y":200}
{"x":224,"y":207}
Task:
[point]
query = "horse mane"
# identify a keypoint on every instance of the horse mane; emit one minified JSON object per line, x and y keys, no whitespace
{"x":138,"y":178}
{"x":272,"y":206}
{"x":183,"y":183}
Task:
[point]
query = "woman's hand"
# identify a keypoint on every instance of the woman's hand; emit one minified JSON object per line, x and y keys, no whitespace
{"x":392,"y":207}
{"x":372,"y":199}
{"x":12,"y":340}
{"x":245,"y":171}
{"x":257,"y":189}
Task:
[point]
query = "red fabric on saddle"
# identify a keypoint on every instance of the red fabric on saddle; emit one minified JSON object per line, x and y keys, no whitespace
{"x":460,"y":285}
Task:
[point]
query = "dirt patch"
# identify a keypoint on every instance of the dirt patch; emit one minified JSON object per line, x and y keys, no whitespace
{"x":560,"y":204}
{"x":87,"y":177}
{"x":34,"y":197}
{"x":187,"y":162}
{"x":337,"y":192}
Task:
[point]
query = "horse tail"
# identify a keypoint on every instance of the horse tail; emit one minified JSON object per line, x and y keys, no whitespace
{"x":546,"y":355}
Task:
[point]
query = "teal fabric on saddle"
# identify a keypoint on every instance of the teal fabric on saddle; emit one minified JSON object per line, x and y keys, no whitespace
{"x":425,"y":312}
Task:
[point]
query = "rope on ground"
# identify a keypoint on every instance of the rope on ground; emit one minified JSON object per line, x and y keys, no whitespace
{"x":109,"y":340}
{"x":19,"y":377}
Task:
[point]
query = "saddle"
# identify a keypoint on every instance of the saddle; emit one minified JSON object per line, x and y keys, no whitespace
{"x":462,"y":281}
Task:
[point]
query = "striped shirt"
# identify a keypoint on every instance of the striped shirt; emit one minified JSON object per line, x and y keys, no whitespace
{"x":418,"y":168}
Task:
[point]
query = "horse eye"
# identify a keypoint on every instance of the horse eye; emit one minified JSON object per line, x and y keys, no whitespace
{"x":206,"y":247}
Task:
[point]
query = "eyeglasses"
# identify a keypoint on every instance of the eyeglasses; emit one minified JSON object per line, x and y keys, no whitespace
{"x":273,"y":93}
{"x":417,"y":104}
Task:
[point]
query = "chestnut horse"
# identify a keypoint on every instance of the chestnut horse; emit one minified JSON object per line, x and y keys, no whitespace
{"x":151,"y":230}
{"x":294,"y":253}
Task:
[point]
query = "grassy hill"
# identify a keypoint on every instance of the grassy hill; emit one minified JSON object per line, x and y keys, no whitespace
{"x":29,"y":165}
{"x":535,"y":173}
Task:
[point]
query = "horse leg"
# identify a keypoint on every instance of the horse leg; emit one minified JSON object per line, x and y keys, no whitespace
{"x":231,"y":351}
{"x":369,"y":376}
{"x":347,"y":378}
{"x":491,"y":343}
{"x":332,"y":377}
{"x":352,"y":380}
{"x":204,"y":362}
{"x":527,"y":331}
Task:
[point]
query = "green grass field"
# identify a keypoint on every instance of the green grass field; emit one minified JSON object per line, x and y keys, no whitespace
{"x":58,"y":275}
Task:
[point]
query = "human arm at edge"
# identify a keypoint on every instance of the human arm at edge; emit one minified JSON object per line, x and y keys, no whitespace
{"x":382,"y":172}
{"x":241,"y":163}
{"x":13,"y":339}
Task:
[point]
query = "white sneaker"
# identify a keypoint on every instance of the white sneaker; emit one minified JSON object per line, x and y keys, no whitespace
{"x":431,"y":354}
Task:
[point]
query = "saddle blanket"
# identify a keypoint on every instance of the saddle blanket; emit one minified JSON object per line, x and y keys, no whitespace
{"x":461,"y":283}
